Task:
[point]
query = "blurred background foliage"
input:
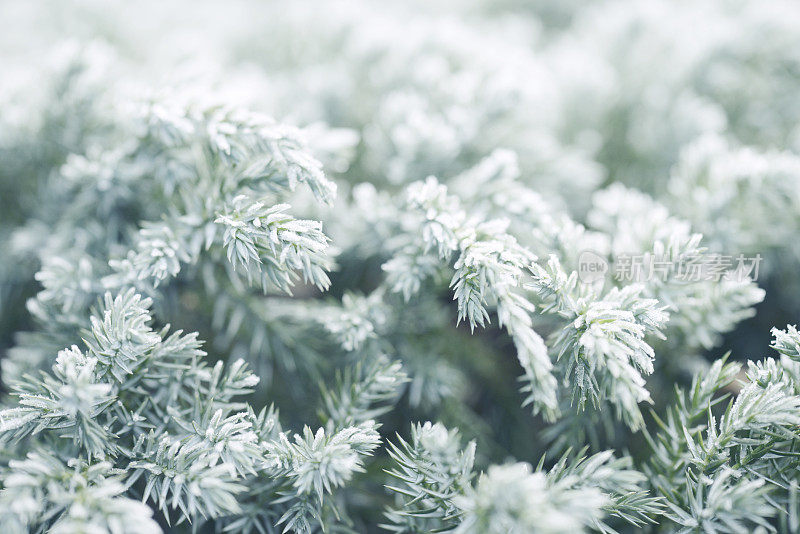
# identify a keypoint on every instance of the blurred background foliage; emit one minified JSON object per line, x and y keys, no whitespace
{"x":693,"y":103}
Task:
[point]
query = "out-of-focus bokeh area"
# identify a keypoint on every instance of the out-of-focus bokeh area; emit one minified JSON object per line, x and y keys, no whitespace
{"x":622,"y":122}
{"x":691,"y":101}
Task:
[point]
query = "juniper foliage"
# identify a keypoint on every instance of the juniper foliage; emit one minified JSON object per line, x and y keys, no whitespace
{"x":305,"y":268}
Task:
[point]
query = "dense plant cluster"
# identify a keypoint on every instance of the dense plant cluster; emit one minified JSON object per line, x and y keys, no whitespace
{"x":303,"y":267}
